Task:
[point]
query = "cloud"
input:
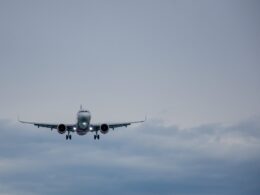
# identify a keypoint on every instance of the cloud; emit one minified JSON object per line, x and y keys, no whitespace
{"x":146,"y":159}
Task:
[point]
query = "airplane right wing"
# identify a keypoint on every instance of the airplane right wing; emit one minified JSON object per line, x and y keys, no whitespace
{"x":48,"y":125}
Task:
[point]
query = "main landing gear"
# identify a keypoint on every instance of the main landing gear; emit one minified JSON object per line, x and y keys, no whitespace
{"x":68,"y":136}
{"x":96,"y":136}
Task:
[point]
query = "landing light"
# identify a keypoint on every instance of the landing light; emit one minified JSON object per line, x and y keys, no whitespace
{"x":90,"y":128}
{"x":74,"y":128}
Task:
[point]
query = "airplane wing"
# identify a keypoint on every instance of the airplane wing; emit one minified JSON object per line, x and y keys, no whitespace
{"x":96,"y":127}
{"x":48,"y":125}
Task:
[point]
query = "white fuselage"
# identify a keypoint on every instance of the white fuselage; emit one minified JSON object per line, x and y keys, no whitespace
{"x":83,"y":120}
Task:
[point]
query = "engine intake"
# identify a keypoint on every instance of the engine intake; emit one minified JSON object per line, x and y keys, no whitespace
{"x":104,"y":128}
{"x":62,"y":128}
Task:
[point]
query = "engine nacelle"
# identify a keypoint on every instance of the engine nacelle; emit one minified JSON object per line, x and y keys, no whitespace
{"x":104,"y":128}
{"x":62,"y":128}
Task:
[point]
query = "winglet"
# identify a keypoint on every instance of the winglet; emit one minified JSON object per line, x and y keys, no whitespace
{"x":18,"y":118}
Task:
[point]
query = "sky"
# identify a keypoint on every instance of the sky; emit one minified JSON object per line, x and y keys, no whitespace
{"x":191,"y":66}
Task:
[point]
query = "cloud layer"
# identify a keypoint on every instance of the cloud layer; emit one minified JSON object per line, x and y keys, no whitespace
{"x":148,"y":159}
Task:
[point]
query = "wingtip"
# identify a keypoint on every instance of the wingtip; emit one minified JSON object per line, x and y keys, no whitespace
{"x":18,"y":119}
{"x":145,"y":118}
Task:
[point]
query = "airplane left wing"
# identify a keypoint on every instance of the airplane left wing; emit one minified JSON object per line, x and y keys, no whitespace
{"x":116,"y":125}
{"x":96,"y":127}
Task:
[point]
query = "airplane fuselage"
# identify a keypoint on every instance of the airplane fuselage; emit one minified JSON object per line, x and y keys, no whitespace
{"x":83,"y":121}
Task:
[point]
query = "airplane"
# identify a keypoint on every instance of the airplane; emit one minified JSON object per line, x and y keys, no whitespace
{"x":82,"y":126}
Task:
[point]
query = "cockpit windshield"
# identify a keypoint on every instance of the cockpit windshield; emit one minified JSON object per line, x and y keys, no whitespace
{"x":83,"y":111}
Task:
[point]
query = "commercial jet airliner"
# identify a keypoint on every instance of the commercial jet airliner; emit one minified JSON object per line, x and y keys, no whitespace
{"x":82,"y":126}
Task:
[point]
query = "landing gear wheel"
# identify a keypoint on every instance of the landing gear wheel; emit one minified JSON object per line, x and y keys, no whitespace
{"x":70,"y":137}
{"x":67,"y":137}
{"x":96,"y":136}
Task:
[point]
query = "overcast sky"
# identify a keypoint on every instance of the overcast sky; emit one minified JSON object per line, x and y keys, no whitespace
{"x":192,"y":66}
{"x":185,"y":62}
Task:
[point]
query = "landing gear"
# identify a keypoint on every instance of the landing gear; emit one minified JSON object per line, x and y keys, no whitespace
{"x":96,"y":136}
{"x":68,"y":137}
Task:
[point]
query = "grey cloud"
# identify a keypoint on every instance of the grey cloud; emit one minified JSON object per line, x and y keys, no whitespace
{"x":148,"y":159}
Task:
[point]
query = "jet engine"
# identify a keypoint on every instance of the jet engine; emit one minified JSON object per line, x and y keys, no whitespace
{"x":104,"y":128}
{"x":61,"y":128}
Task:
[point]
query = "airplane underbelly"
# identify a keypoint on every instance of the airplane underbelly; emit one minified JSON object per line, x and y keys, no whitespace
{"x":82,"y":132}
